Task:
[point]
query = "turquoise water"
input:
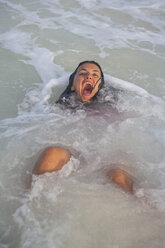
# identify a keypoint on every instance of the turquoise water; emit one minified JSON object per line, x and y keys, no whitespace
{"x":41,"y":43}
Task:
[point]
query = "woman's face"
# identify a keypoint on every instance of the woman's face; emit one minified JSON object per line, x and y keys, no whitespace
{"x":86,"y":81}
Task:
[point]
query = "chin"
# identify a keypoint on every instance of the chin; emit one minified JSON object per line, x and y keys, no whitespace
{"x":86,"y":99}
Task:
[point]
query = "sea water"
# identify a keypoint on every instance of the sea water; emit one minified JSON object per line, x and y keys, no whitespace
{"x":41,"y":43}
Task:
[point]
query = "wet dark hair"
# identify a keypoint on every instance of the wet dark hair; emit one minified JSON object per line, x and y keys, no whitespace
{"x":67,"y":92}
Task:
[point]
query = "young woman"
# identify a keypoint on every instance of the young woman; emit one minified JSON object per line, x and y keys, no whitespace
{"x":85,"y":82}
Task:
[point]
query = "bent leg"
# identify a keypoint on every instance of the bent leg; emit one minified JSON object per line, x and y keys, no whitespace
{"x":121,"y":178}
{"x":51,"y":159}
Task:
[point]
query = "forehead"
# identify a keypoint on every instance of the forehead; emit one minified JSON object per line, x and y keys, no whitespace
{"x":89,"y":67}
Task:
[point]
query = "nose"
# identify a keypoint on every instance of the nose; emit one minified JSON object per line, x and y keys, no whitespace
{"x":89,"y":76}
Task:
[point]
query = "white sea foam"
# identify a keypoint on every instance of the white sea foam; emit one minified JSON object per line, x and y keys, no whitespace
{"x":41,"y":43}
{"x":122,"y":84}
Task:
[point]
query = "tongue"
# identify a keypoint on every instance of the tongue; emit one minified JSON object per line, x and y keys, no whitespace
{"x":86,"y":92}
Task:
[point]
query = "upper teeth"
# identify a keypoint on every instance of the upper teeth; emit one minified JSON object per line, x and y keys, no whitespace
{"x":89,"y":83}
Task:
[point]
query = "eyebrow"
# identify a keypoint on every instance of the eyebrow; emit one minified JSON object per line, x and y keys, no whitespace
{"x":83,"y":69}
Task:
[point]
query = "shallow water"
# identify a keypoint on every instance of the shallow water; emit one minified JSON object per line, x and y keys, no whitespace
{"x":41,"y":43}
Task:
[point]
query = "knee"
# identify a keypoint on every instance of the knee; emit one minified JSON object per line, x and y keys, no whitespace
{"x":56,"y":151}
{"x":51,"y":159}
{"x":122,"y":179}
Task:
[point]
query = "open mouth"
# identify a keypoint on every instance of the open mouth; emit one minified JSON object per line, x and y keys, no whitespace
{"x":87,"y":89}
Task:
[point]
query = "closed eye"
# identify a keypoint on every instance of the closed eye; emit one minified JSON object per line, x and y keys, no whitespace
{"x":85,"y":74}
{"x":95,"y":75}
{"x":82,"y":73}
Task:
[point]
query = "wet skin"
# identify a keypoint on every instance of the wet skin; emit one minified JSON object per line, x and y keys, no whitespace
{"x":86,"y":81}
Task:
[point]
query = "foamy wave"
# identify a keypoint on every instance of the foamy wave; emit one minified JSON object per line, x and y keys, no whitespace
{"x":122,"y":84}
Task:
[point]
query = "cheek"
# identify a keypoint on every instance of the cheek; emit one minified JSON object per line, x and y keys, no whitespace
{"x":77,"y":89}
{"x":77,"y":85}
